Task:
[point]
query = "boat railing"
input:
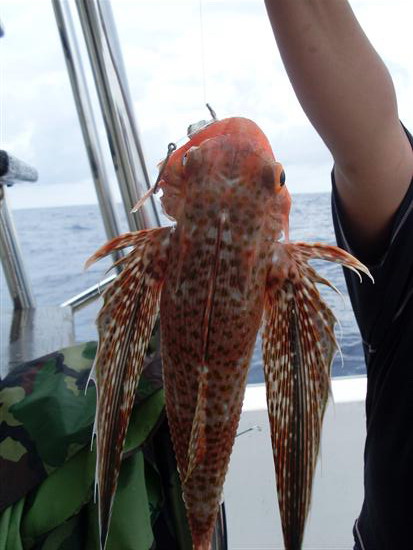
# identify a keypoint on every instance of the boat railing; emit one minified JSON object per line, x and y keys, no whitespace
{"x":89,"y":295}
{"x":100,"y":37}
{"x":13,"y":170}
{"x":27,"y":331}
{"x":106,"y":64}
{"x":102,"y":44}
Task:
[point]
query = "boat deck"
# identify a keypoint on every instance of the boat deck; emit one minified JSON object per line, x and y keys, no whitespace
{"x":31,"y":333}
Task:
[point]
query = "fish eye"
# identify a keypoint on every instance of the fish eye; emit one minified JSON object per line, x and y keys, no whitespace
{"x":282,"y":178}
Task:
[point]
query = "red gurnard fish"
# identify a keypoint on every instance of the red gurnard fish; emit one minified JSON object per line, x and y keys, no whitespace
{"x":216,"y":277}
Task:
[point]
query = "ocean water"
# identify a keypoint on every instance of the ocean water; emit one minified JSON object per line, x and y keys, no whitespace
{"x":55,"y":243}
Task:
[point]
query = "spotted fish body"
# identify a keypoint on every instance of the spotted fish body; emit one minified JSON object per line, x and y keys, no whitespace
{"x":216,"y":277}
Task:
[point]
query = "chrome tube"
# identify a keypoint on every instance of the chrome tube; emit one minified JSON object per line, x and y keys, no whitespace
{"x":13,"y":170}
{"x":86,"y":118}
{"x":11,"y":258}
{"x":89,"y":295}
{"x":107,"y":66}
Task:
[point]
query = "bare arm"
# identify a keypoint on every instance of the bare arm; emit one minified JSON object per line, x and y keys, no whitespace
{"x":348,"y":95}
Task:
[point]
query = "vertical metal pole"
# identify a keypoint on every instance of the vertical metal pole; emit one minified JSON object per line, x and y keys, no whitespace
{"x":86,"y":119}
{"x":11,"y":258}
{"x":105,"y":57}
{"x":10,"y":254}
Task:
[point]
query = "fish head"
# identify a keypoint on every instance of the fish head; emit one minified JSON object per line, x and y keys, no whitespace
{"x":227,"y":164}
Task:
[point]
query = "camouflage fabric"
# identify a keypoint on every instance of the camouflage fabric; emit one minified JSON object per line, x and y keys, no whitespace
{"x":47,"y":467}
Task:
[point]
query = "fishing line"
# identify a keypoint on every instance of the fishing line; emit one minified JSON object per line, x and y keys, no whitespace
{"x":251,"y":429}
{"x":202,"y":48}
{"x":173,"y":145}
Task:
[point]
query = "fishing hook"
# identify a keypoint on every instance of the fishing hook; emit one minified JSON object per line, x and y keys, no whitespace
{"x":171,"y":149}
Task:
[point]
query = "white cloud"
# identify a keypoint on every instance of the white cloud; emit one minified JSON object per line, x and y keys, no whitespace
{"x":161,"y":43}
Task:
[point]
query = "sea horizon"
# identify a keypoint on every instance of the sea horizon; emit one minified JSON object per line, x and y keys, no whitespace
{"x":14,"y":204}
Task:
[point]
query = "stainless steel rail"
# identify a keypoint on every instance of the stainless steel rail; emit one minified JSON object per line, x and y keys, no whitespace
{"x":12,"y":260}
{"x":105,"y":57}
{"x":13,"y":170}
{"x":86,"y":118}
{"x":89,"y":295}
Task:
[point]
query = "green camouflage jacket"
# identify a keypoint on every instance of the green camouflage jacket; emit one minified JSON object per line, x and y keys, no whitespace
{"x":47,"y":466}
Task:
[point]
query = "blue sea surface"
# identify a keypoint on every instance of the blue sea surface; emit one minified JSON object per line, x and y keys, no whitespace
{"x":55,"y":243}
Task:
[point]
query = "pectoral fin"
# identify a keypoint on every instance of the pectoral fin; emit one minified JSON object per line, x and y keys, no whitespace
{"x":298,"y":349}
{"x":125,"y":325}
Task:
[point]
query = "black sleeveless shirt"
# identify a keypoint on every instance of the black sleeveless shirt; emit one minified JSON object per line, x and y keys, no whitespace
{"x":384,"y":312}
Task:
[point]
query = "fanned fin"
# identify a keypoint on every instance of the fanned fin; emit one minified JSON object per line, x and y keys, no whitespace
{"x":125,"y":324}
{"x":133,"y":238}
{"x":305,"y":251}
{"x":298,"y":349}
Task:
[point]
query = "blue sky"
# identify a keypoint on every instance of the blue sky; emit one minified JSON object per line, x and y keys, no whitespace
{"x":161,"y":46}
